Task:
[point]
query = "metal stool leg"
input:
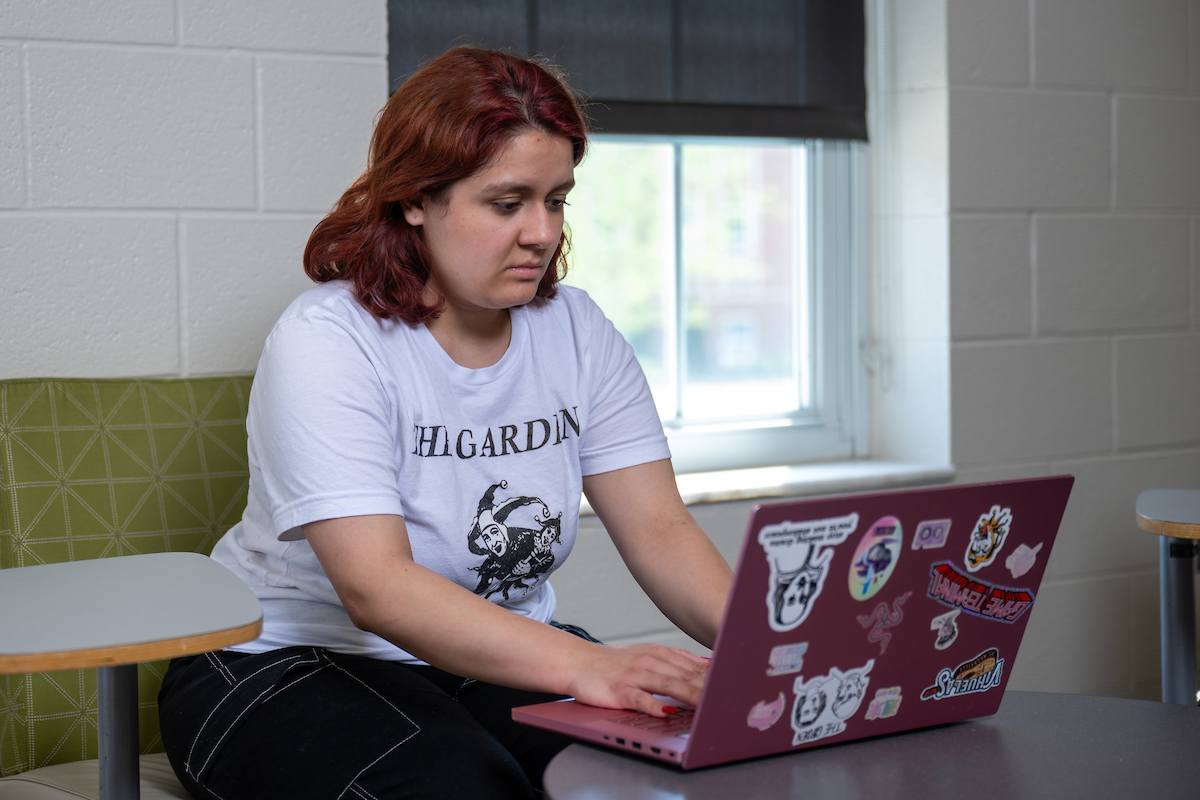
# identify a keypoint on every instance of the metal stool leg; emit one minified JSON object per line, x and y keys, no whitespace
{"x":1178,"y":620}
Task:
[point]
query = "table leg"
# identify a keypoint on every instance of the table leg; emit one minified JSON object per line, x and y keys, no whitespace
{"x":117,"y":701}
{"x":1177,"y":620}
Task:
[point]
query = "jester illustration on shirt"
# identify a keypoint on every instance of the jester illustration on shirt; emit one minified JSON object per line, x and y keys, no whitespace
{"x":517,"y":549}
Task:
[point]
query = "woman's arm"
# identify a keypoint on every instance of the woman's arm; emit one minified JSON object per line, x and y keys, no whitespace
{"x":369,"y":561}
{"x":667,"y":552}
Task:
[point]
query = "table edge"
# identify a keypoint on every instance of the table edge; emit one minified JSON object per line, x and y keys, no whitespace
{"x":173,"y":647}
{"x":1177,"y":530}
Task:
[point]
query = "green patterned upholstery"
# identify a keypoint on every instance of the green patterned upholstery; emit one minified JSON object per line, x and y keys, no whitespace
{"x":102,"y":468}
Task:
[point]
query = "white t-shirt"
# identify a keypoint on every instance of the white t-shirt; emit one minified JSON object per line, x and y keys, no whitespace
{"x":351,"y":415}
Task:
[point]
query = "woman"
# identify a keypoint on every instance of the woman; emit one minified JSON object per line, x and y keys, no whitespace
{"x":421,"y":425}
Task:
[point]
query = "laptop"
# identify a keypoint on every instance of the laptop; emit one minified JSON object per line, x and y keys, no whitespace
{"x":851,"y":617}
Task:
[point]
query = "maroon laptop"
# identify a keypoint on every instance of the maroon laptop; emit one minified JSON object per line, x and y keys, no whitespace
{"x":852,"y":617}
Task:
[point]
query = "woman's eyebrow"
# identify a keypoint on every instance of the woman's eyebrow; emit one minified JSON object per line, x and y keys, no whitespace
{"x":501,"y":187}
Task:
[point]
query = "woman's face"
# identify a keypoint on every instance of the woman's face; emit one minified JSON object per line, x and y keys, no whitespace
{"x":491,"y":237}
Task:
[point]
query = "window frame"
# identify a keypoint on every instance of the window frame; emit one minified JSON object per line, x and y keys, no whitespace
{"x":835,"y":427}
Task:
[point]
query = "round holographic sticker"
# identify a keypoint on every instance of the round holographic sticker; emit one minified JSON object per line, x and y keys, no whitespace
{"x":876,"y":557}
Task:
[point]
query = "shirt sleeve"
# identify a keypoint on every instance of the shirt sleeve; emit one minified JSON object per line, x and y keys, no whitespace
{"x":321,"y":428}
{"x":624,"y":428}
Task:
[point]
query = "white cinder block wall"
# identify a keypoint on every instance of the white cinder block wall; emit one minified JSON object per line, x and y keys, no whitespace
{"x":1037,"y":283}
{"x":161,"y":165}
{"x":1074,"y":213}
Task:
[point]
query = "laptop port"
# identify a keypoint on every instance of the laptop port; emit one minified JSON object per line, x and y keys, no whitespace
{"x":656,"y":750}
{"x":620,"y":741}
{"x":636,"y":745}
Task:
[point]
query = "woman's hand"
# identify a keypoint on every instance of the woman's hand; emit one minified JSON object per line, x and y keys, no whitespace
{"x":629,"y":676}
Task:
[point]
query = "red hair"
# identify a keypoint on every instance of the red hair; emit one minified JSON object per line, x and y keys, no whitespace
{"x":446,"y":122}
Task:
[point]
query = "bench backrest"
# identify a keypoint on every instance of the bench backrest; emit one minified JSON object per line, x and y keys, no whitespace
{"x":100,"y":469}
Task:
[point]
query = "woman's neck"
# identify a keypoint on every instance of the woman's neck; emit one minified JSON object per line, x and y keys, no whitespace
{"x":474,"y":341}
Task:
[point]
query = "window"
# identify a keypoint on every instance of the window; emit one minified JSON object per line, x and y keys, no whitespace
{"x":732,"y":265}
{"x":728,"y":265}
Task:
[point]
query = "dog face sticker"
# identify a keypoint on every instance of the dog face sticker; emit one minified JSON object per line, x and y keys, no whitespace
{"x":987,"y":538}
{"x":822,"y":705}
{"x":515,"y":536}
{"x":798,"y":554}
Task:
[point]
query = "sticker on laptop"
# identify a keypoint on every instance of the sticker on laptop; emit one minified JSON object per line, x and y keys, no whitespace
{"x":987,"y":538}
{"x":946,"y":627}
{"x":886,"y":703}
{"x":951,"y":588}
{"x":798,"y":554}
{"x":786,"y":658}
{"x":823,"y":704}
{"x":931,"y":534}
{"x":981,"y":673}
{"x":765,"y":714}
{"x":876,"y":557}
{"x":881,"y":619}
{"x":1022,"y":559}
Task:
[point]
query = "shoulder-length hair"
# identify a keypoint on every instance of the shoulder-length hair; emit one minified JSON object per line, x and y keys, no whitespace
{"x":446,"y":122}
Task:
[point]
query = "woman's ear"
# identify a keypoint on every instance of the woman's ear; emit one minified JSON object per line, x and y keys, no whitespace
{"x":414,"y":211}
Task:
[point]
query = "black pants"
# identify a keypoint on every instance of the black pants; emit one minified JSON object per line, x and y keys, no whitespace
{"x":303,"y":722}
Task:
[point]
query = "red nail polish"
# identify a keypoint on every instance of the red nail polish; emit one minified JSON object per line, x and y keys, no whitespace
{"x":670,"y":710}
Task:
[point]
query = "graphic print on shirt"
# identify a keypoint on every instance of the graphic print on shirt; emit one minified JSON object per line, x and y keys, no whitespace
{"x":517,"y":549}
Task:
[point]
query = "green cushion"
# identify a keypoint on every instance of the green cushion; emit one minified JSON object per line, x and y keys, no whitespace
{"x":103,"y":468}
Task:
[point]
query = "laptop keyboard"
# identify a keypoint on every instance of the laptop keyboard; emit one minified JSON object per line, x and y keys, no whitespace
{"x":677,"y":724}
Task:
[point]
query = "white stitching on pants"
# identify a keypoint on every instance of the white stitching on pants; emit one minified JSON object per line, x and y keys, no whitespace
{"x":191,"y":749}
{"x":351,"y":786}
{"x":223,"y":670}
{"x":267,"y":695}
{"x":361,"y":792}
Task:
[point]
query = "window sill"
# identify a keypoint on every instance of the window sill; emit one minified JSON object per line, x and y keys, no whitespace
{"x":800,"y":480}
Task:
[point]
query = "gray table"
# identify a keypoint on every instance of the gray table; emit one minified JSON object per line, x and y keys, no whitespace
{"x":1174,"y":515}
{"x":1038,"y":745}
{"x":112,"y":613}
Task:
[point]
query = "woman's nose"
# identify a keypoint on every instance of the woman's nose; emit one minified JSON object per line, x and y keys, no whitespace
{"x":542,"y":228}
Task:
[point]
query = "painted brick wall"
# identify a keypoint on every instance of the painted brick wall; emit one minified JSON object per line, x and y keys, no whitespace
{"x":1074,"y":210}
{"x":161,"y":165}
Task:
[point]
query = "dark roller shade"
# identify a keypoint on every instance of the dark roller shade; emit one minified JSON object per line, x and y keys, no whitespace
{"x":778,"y":68}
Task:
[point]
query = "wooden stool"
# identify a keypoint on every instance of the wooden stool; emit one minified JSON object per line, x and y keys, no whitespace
{"x":1174,"y":514}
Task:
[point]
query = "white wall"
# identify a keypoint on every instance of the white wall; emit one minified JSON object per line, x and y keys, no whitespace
{"x":1037,"y":273}
{"x":1074,"y":213}
{"x":161,"y":165}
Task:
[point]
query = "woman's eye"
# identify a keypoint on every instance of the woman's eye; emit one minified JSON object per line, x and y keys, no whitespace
{"x":507,"y":205}
{"x":557,"y":204}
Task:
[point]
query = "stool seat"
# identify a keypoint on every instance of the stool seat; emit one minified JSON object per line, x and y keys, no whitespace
{"x":1174,"y":514}
{"x":1170,"y":512}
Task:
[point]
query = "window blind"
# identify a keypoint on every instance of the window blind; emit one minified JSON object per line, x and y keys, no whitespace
{"x":776,"y":68}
